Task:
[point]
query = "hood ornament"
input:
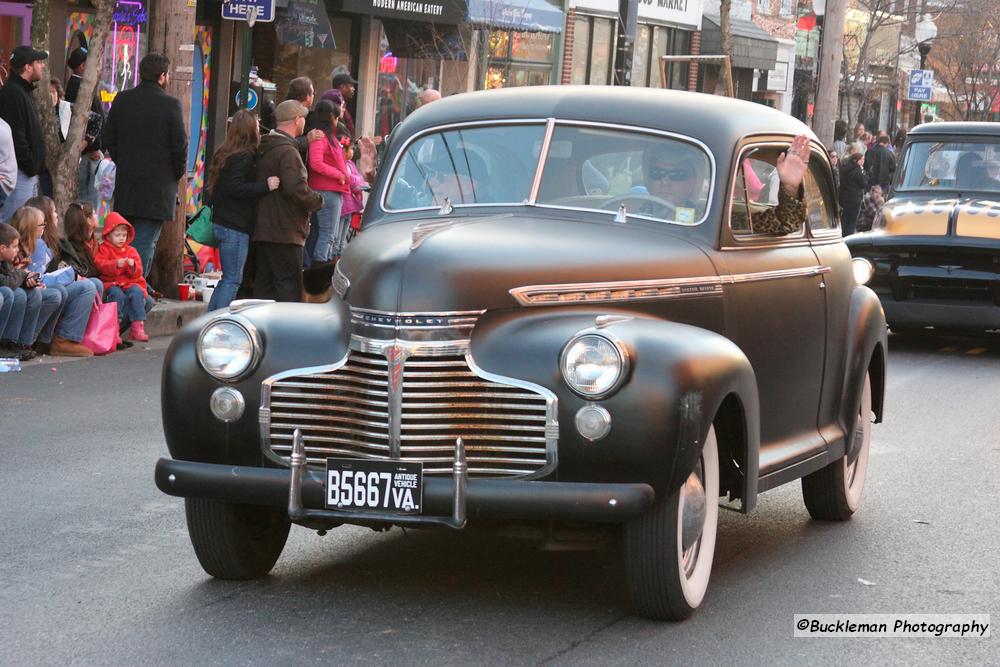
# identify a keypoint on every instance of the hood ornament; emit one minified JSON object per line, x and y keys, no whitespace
{"x":446,"y":207}
{"x":622,"y":215}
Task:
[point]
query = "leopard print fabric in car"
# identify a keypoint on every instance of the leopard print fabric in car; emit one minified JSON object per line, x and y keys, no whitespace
{"x":785,"y":218}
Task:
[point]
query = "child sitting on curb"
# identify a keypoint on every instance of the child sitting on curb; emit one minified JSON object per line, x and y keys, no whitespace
{"x":22,"y":299}
{"x":121,"y":272}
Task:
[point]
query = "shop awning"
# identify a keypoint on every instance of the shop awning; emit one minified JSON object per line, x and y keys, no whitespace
{"x":752,"y":47}
{"x":517,"y":15}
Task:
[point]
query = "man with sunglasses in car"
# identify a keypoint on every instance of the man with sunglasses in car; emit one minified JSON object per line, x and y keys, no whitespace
{"x":676,"y":173}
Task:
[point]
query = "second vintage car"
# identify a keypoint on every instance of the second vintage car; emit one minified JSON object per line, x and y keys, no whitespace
{"x":584,"y":306}
{"x":932,"y":256}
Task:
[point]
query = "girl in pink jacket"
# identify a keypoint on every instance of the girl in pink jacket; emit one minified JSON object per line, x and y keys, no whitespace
{"x":354,"y":203}
{"x":328,"y":176}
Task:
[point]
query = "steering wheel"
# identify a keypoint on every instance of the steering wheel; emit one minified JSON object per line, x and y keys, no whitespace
{"x":646,"y":204}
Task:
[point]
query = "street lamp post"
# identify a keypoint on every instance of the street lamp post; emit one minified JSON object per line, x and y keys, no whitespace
{"x":924,"y":33}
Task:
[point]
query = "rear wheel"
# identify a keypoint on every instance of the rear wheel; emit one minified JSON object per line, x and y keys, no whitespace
{"x":669,"y":550}
{"x":235,"y":541}
{"x":834,"y":493}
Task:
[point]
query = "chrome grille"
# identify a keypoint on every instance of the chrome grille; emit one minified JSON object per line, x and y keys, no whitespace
{"x":508,"y":427}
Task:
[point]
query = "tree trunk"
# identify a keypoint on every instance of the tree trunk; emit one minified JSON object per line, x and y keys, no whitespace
{"x":62,"y":158}
{"x":722,"y":85}
{"x":172,"y":28}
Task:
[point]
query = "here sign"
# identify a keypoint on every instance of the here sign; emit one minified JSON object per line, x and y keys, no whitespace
{"x":260,"y":11}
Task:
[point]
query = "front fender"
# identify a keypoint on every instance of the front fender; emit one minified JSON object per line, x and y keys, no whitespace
{"x":867,"y":344}
{"x":679,"y":377}
{"x":293,"y":335}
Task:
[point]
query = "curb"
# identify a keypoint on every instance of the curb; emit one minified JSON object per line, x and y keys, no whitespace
{"x":169,"y":315}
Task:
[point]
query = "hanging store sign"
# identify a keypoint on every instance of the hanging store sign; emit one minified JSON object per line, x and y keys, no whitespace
{"x":305,"y":23}
{"x":431,"y":11}
{"x":241,"y":10}
{"x":685,"y":13}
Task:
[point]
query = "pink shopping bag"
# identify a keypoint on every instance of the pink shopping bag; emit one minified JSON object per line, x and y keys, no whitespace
{"x":101,"y":335}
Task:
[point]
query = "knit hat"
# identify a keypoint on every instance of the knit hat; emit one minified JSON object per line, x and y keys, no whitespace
{"x":289,"y":110}
{"x":77,"y":57}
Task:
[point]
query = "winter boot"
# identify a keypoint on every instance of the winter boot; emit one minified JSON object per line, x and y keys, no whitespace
{"x":138,"y":332}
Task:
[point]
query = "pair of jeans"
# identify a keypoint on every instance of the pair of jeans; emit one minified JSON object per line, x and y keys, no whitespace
{"x":147,"y":233}
{"x":131,"y":303}
{"x":87,"y":177}
{"x":279,"y":272}
{"x":310,"y":249}
{"x":233,"y":248}
{"x":41,"y":310}
{"x":328,"y":243}
{"x":78,"y":303}
{"x":849,"y":218}
{"x":25,"y":189}
{"x":11,"y":305}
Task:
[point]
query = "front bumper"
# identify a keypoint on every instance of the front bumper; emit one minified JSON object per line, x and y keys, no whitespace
{"x":940,"y":313}
{"x":484,"y":498}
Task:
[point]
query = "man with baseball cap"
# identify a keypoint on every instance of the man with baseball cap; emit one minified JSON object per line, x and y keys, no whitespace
{"x":282,"y":215}
{"x":17,"y":107}
{"x":347,"y":85}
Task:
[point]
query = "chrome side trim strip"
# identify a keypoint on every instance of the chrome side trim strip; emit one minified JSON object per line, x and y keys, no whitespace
{"x":646,"y":290}
{"x":341,"y":283}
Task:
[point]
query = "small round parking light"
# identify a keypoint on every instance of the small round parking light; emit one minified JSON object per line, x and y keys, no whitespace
{"x":593,"y":422}
{"x":863,"y":270}
{"x":227,"y":404}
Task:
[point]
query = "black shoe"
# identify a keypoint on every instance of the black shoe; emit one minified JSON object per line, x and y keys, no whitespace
{"x":40,"y":348}
{"x":124,"y":345}
{"x":25,"y":353}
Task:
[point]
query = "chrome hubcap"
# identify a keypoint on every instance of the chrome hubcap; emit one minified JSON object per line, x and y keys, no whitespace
{"x":693,"y":512}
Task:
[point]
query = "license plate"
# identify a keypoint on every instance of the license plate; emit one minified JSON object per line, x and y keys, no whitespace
{"x":362,"y":485}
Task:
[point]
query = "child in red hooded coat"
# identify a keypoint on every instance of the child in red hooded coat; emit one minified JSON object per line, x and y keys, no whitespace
{"x":120,"y":269}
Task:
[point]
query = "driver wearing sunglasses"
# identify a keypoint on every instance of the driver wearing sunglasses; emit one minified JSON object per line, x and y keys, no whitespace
{"x":676,"y":173}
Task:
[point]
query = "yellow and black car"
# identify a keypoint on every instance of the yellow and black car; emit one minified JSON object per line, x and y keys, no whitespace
{"x":933,"y":255}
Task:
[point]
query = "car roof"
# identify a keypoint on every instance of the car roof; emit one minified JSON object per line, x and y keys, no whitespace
{"x":972,"y":128}
{"x":715,"y":120}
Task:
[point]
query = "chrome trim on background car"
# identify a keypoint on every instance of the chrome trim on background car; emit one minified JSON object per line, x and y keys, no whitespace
{"x":340,"y":282}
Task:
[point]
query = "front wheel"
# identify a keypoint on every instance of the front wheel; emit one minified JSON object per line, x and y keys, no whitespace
{"x":833,"y":493}
{"x":235,"y":541}
{"x":669,"y":549}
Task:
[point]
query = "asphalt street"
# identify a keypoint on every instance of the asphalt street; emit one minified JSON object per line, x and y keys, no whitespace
{"x":96,"y":567}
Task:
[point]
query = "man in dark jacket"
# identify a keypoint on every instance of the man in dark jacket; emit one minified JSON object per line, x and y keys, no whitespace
{"x":145,"y":135}
{"x":17,"y":107}
{"x":283,"y":214}
{"x":880,"y":164}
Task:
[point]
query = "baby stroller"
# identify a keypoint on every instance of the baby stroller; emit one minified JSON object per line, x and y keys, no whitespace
{"x":198,"y":257}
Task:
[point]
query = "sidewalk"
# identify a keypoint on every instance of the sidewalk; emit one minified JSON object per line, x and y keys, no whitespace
{"x":164,"y":320}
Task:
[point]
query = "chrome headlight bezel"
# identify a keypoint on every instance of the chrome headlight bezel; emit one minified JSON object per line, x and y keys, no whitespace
{"x":624,"y":363}
{"x":863,"y":270}
{"x":248,"y":329}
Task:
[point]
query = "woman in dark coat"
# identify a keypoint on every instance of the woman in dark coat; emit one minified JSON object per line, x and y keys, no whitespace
{"x":853,"y":183}
{"x":233,"y":192}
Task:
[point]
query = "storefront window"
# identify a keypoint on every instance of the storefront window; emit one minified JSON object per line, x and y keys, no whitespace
{"x":124,"y":47}
{"x":280,"y":63}
{"x":593,"y":50}
{"x":401,"y":79}
{"x":653,"y":41}
{"x":518,"y":59}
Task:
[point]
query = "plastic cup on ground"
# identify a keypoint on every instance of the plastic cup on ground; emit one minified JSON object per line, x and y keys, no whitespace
{"x":183,"y":291}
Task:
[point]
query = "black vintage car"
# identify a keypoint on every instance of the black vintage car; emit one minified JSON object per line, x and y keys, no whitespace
{"x":932,"y":256}
{"x":562,"y":311}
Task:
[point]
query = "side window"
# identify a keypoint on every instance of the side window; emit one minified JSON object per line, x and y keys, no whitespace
{"x":755,"y":193}
{"x":819,"y":200}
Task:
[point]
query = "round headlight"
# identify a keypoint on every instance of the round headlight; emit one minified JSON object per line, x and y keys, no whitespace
{"x":593,"y":365}
{"x":226,"y":349}
{"x":863,"y":270}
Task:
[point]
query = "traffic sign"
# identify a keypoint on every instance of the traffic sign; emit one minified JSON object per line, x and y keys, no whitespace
{"x":242,"y":10}
{"x":251,"y":99}
{"x":920,"y":85}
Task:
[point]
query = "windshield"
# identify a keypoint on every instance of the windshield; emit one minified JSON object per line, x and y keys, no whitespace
{"x":963,"y":166}
{"x":652,"y":176}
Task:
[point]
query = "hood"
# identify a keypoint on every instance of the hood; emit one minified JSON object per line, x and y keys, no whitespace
{"x":275,"y":140}
{"x":926,"y":215}
{"x":471,"y":264}
{"x":113,"y":220}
